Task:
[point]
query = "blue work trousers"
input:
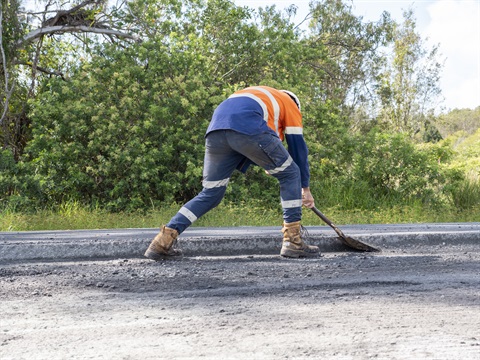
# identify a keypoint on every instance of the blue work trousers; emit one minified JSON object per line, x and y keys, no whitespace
{"x":225,"y":150}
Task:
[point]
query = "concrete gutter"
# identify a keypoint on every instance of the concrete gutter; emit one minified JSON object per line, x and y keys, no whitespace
{"x":131,"y":243}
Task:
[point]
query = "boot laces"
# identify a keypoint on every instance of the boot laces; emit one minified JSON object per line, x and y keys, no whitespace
{"x":304,"y":233}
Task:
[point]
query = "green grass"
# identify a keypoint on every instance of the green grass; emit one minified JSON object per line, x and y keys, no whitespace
{"x":72,"y":216}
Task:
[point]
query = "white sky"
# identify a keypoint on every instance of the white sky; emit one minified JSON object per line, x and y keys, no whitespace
{"x":454,"y":24}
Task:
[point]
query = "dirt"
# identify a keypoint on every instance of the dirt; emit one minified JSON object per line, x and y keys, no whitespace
{"x":421,"y":303}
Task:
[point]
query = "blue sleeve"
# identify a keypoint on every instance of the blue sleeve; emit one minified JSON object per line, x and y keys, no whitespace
{"x":299,"y":152}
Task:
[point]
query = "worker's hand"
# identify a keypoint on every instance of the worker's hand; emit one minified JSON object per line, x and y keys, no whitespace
{"x":307,"y":198}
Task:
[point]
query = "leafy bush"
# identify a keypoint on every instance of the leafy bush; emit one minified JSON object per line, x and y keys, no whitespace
{"x":8,"y":171}
{"x":391,"y":164}
{"x":19,"y":191}
{"x":382,"y":168}
{"x":121,"y":136}
{"x":466,"y":193}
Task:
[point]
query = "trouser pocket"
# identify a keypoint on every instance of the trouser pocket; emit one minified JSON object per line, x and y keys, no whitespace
{"x":275,"y":151}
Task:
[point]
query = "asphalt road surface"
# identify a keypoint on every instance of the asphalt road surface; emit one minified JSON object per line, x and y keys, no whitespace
{"x":411,"y":303}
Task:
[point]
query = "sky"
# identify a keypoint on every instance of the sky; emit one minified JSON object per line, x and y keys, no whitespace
{"x":453,"y":24}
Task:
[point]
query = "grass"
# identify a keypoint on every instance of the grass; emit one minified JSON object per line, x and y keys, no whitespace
{"x":467,"y":194}
{"x":72,"y":216}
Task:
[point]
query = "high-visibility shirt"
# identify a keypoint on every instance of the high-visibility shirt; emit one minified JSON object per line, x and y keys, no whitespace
{"x":262,"y":109}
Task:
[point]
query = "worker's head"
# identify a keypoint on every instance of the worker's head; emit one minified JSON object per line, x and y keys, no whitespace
{"x":294,"y":97}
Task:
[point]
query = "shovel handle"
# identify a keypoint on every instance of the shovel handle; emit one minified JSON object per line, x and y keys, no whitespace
{"x":320,"y":215}
{"x":324,"y":218}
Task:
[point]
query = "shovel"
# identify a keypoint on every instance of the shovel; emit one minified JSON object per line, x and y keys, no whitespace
{"x":346,"y":240}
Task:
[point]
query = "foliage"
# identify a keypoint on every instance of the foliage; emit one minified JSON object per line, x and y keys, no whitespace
{"x":32,"y":52}
{"x":391,"y":164}
{"x":120,"y":126}
{"x":467,"y":120}
{"x":11,"y":110}
{"x":8,"y":169}
{"x":131,"y":125}
{"x":465,"y":194}
{"x":131,"y":139}
{"x":383,"y":168}
{"x":18,"y":189}
{"x":351,"y":51}
{"x":467,"y":151}
{"x":11,"y":25}
{"x":72,"y":215}
{"x":469,"y":147}
{"x":408,"y":86}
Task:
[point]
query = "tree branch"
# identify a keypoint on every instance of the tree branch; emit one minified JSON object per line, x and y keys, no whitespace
{"x":72,"y":29}
{"x":43,"y":70}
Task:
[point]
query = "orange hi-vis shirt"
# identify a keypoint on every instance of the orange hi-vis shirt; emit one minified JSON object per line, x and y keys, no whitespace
{"x":280,"y":112}
{"x":262,"y":109}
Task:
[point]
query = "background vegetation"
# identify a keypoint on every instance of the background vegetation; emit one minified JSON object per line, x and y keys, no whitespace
{"x":104,"y":109}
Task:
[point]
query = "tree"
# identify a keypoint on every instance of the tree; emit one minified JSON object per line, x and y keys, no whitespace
{"x":26,"y":50}
{"x":351,"y":51}
{"x":10,"y":32}
{"x":409,"y":85}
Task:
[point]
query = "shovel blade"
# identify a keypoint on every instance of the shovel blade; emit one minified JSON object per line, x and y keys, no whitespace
{"x":357,"y":244}
{"x":346,"y":240}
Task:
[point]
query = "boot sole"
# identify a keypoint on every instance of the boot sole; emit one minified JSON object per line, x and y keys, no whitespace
{"x":295,"y":254}
{"x":152,"y":255}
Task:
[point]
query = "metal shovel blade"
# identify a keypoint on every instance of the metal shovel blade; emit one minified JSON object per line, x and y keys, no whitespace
{"x":346,"y":240}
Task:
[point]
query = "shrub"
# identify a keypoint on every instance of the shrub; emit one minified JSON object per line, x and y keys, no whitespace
{"x":392,"y":165}
{"x":130,"y":142}
{"x":466,"y":193}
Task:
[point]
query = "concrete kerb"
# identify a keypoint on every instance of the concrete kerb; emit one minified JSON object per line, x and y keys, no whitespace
{"x":131,"y":243}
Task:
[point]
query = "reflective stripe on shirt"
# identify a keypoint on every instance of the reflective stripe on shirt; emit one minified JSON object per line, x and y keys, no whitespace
{"x":258,"y":100}
{"x":294,"y":130}
{"x":275,"y":105}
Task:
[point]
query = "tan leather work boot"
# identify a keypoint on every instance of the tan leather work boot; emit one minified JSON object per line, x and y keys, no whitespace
{"x":161,"y":246}
{"x":293,"y":245}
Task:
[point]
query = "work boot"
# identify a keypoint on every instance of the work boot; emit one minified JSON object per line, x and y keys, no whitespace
{"x":293,"y":245}
{"x":162,"y":246}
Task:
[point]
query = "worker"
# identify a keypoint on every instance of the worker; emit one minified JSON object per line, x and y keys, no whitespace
{"x":247,"y":128}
